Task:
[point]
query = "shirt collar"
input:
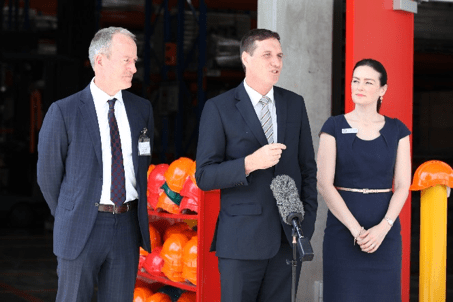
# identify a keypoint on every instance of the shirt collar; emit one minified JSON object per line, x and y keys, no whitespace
{"x":255,"y":96}
{"x":99,"y":96}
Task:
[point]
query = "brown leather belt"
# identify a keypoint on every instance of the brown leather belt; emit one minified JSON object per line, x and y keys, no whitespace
{"x":118,"y":210}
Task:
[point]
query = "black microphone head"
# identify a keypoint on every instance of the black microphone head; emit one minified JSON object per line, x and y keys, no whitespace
{"x":288,"y":202}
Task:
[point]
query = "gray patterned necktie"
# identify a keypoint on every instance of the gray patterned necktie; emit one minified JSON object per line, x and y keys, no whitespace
{"x":266,"y":119}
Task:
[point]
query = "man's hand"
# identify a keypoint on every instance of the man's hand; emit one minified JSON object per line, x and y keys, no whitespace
{"x":263,"y":158}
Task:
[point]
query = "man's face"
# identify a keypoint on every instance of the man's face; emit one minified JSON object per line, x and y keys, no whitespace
{"x":118,"y":67}
{"x":263,"y":67}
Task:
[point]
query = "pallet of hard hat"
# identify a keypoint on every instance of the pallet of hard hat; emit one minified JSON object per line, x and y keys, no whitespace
{"x":182,"y":222}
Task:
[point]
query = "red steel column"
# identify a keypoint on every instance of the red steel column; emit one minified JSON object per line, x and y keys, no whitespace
{"x":374,"y":30}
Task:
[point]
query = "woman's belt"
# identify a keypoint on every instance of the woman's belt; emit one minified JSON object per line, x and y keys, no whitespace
{"x":365,"y":191}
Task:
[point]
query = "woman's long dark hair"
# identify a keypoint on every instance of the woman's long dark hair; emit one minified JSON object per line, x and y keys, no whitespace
{"x":378,"y":67}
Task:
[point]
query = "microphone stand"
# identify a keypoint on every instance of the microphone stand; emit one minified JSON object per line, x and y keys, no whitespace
{"x":293,"y":268}
{"x":305,"y":249}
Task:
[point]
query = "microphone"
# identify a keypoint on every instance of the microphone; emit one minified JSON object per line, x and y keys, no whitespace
{"x":292,"y":211}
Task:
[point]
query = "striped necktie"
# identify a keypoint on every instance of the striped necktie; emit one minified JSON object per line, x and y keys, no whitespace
{"x":118,"y":186}
{"x":266,"y":119}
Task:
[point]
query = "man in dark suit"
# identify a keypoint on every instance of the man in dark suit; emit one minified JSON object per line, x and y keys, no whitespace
{"x":249,"y":135}
{"x":94,"y":151}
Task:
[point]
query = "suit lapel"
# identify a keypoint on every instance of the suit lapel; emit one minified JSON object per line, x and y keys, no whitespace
{"x":89,"y":115}
{"x":245,"y":107}
{"x":281,"y":106}
{"x":282,"y":110}
{"x":132,"y":117}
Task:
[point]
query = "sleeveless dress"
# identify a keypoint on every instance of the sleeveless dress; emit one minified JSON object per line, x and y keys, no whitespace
{"x":351,"y":275}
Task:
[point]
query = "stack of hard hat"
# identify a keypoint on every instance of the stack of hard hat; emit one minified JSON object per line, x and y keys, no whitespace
{"x":172,"y":254}
{"x":175,"y":177}
{"x":179,"y":228}
{"x":189,"y":260}
{"x":187,"y":297}
{"x":190,"y":193}
{"x":142,"y":294}
{"x":156,"y":179}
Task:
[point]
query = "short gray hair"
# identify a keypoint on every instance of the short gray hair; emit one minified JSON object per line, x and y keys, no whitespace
{"x":102,"y":41}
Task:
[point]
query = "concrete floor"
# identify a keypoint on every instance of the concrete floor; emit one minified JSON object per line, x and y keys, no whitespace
{"x":28,"y":267}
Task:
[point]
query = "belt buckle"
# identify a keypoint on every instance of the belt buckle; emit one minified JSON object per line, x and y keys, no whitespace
{"x":128,"y":206}
{"x":114,"y":209}
{"x":366,"y":191}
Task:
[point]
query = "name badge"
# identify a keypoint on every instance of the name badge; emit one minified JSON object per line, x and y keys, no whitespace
{"x":144,"y":146}
{"x":349,"y":130}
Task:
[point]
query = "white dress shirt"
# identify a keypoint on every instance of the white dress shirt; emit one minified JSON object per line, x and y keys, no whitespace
{"x":255,"y":97}
{"x":102,"y":110}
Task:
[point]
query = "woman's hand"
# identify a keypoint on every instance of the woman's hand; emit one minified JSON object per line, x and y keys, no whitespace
{"x":371,"y":240}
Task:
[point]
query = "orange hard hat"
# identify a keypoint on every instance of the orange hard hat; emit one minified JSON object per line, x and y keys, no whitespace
{"x":141,"y":294}
{"x":153,"y":263}
{"x":190,"y":193}
{"x":166,"y":204}
{"x":159,"y":297}
{"x":189,"y":260}
{"x":177,"y":172}
{"x":156,"y":179}
{"x":172,"y":254}
{"x":187,"y":297}
{"x":175,"y":228}
{"x":432,"y":173}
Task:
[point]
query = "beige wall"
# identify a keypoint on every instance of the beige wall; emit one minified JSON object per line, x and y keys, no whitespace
{"x":305,"y":29}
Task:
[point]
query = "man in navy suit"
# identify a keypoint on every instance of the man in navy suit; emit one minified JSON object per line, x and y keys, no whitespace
{"x":94,"y":151}
{"x":249,"y":135}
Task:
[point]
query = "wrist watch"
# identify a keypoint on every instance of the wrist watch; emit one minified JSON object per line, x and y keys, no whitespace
{"x":389,"y":221}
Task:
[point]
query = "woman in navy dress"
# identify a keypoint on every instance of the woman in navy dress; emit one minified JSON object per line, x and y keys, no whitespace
{"x":361,"y":156}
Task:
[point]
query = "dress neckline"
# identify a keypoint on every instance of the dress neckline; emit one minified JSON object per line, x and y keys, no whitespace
{"x":367,"y":140}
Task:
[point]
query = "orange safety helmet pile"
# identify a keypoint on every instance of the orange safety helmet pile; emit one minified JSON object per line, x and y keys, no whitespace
{"x":172,"y":251}
{"x":142,"y":294}
{"x":156,"y":179}
{"x":189,"y":260}
{"x":175,"y":177}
